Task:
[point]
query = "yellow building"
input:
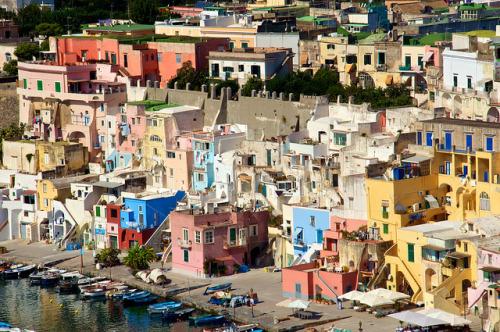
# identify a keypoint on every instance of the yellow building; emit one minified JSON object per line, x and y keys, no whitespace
{"x":62,"y":157}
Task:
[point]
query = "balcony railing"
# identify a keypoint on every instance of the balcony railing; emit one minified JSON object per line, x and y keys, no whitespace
{"x":184,"y":244}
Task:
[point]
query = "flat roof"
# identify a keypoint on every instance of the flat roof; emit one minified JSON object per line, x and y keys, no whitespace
{"x":435,"y":227}
{"x":461,"y":122}
{"x":106,"y":184}
{"x":415,"y":159}
{"x":123,"y":27}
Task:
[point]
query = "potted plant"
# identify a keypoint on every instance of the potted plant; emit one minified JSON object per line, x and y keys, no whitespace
{"x":221,"y":270}
{"x":236,"y":268}
{"x":3,"y":250}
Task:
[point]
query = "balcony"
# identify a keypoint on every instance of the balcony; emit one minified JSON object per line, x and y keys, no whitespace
{"x":84,"y":97}
{"x":234,"y":244}
{"x":382,"y":67}
{"x":184,"y":244}
{"x":404,"y":68}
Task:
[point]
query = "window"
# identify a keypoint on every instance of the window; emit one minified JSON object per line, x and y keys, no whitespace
{"x":107,"y":56}
{"x":170,"y":155}
{"x":133,"y":121}
{"x":26,"y":214}
{"x":330,"y":47}
{"x":138,"y":121}
{"x":254,"y":230}
{"x":131,"y":142}
{"x":39,"y":85}
{"x":367,"y":59}
{"x":209,"y":237}
{"x":140,"y":208}
{"x":152,"y":57}
{"x":46,"y":158}
{"x":171,"y":172}
{"x":231,"y":45}
{"x":124,"y":118}
{"x":313,"y":184}
{"x":185,"y":234}
{"x":151,"y":122}
{"x":228,"y":69}
{"x":484,"y":201}
{"x":45,"y":202}
{"x":469,"y":82}
{"x":339,"y":139}
{"x":158,"y":57}
{"x":489,"y":259}
{"x":58,"y":86}
{"x":155,"y":151}
{"x":411,"y":252}
{"x":351,"y":203}
{"x":197,"y":237}
{"x":381,"y":58}
{"x":432,"y":95}
{"x":97,"y":211}
{"x":201,"y":177}
{"x":44,"y":187}
{"x":386,"y":228}
{"x":25,"y":83}
{"x":232,"y":235}
{"x":419,"y":138}
{"x":455,"y":80}
{"x":177,"y":58}
{"x":114,"y":213}
{"x":466,"y":247}
{"x":486,"y":275}
{"x":186,"y":256}
{"x":244,"y":44}
{"x":312,"y":221}
{"x":8,"y":57}
{"x":155,"y":138}
{"x":113,"y":58}
{"x":125,"y":60}
{"x":241,"y":68}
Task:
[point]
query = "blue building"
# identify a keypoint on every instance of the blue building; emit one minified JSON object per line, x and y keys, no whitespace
{"x":309,"y":225}
{"x":148,"y":212}
{"x":116,"y":159}
{"x":203,"y":170}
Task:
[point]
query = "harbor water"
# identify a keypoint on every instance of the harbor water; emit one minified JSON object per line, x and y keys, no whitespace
{"x":30,"y":307}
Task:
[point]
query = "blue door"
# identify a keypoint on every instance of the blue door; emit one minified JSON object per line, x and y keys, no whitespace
{"x":428,"y":137}
{"x":447,"y":141}
{"x":319,"y":236}
{"x":468,"y":141}
{"x":485,"y":176}
{"x":419,"y":137}
{"x":489,"y":143}
{"x":448,"y":168}
{"x":466,"y":168}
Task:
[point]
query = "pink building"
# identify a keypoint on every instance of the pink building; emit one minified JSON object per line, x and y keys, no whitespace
{"x":203,"y":242}
{"x":186,"y":12}
{"x":337,"y":227}
{"x":70,"y":101}
{"x":307,"y":281}
{"x":179,"y":163}
{"x":154,"y":61}
{"x":134,"y":116}
{"x":488,"y":273}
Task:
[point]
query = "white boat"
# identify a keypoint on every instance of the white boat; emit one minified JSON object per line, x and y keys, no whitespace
{"x":95,"y":292}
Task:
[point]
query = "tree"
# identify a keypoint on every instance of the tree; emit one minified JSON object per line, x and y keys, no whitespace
{"x":48,"y":29}
{"x":109,"y":257}
{"x":10,"y":68}
{"x":44,"y":46}
{"x":144,"y":11}
{"x":26,"y":51}
{"x":228,"y":84}
{"x":29,"y":17}
{"x":138,"y":258}
{"x":253,"y":83}
{"x":187,"y":74}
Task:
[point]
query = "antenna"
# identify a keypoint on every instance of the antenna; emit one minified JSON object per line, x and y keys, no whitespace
{"x":111,"y":14}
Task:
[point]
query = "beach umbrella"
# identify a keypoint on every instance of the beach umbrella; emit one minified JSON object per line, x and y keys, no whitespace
{"x":389,"y":294}
{"x":400,"y":208}
{"x":417,"y":319}
{"x":284,"y":303}
{"x":299,"y":304}
{"x":429,"y":311}
{"x":352,"y":295}
{"x":374,"y":300}
{"x":452,"y":319}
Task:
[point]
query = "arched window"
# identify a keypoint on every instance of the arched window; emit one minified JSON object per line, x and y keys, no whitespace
{"x":155,"y":138}
{"x":8,"y":57}
{"x":484,"y":201}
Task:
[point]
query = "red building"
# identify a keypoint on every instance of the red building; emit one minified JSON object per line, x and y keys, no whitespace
{"x":149,"y":60}
{"x":113,"y":225}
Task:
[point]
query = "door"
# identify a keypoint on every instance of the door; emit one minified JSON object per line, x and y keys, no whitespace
{"x":448,"y":167}
{"x":428,"y":137}
{"x":466,"y":169}
{"x":489,"y":143}
{"x":264,"y":190}
{"x":23,"y":230}
{"x":419,"y":138}
{"x":298,"y":290}
{"x":243,"y":237}
{"x":407,"y":61}
{"x":215,"y":70}
{"x":468,"y":141}
{"x":375,"y":233}
{"x":268,"y":157}
{"x":232,"y":236}
{"x":447,"y":141}
{"x":319,"y":236}
{"x":113,"y":242}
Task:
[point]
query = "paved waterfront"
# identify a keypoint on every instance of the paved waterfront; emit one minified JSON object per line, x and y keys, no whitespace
{"x":266,"y":285}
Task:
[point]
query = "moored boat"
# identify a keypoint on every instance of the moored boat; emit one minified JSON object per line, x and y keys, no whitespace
{"x":144,"y":300}
{"x":98,"y":292}
{"x":221,"y":287}
{"x":132,"y":299}
{"x":208,"y":320}
{"x":178,"y":314}
{"x":49,"y":279}
{"x":134,"y":294}
{"x":36,"y":278}
{"x":161,"y":308}
{"x":19,"y":272}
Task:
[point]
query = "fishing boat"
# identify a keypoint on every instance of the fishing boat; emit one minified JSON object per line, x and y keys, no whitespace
{"x":178,"y":314}
{"x":98,"y":292}
{"x":134,"y":294}
{"x":36,"y":277}
{"x":208,"y":320}
{"x":222,"y":287}
{"x":49,"y":279}
{"x":144,"y":300}
{"x":234,"y":327}
{"x":120,"y":294}
{"x":132,"y":299}
{"x":161,"y":308}
{"x":19,"y":272}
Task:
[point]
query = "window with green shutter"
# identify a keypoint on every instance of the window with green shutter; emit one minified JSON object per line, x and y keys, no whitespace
{"x":58,"y":86}
{"x":232,"y":235}
{"x":386,"y":229}
{"x":411,"y":253}
{"x":39,"y":85}
{"x":486,"y":275}
{"x":97,"y":211}
{"x":25,"y":83}
{"x":186,"y":256}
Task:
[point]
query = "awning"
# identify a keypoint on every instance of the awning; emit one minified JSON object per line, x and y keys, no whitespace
{"x":349,"y":67}
{"x":415,"y":160}
{"x":297,"y":232}
{"x":385,"y":203}
{"x":433,"y":247}
{"x":433,"y":203}
{"x":427,"y":56}
{"x":490,"y":268}
{"x":457,"y":255}
{"x":78,"y":81}
{"x":224,"y":259}
{"x":28,"y":192}
{"x":494,"y":286}
{"x":388,"y":80}
{"x":303,"y":58}
{"x":245,"y":178}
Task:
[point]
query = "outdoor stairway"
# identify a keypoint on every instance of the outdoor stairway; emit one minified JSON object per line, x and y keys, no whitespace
{"x":166,"y":253}
{"x":439,"y":295}
{"x":155,"y":239}
{"x":483,"y":293}
{"x":3,"y":226}
{"x":309,"y":255}
{"x":336,"y":299}
{"x":391,"y":257}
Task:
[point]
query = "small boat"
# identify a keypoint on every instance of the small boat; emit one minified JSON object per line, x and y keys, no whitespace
{"x":49,"y":279}
{"x":36,"y":278}
{"x":145,"y":300}
{"x":178,"y":314}
{"x":126,"y":296}
{"x":19,"y":272}
{"x":132,"y":299}
{"x":222,"y":287}
{"x":95,"y":293}
{"x":208,"y":320}
{"x":234,"y":327}
{"x":162,"y":308}
{"x":120,"y":294}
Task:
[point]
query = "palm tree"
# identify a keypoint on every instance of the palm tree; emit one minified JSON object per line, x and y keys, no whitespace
{"x":138,"y":258}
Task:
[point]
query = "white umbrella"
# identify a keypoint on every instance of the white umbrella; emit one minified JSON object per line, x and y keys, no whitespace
{"x":299,"y":304}
{"x":284,"y":303}
{"x":352,"y":295}
{"x":429,"y":311}
{"x":374,"y":300}
{"x":389,"y":294}
{"x":452,"y":319}
{"x":417,"y":319}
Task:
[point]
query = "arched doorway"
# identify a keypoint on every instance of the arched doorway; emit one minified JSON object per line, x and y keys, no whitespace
{"x":493,"y":115}
{"x":457,"y":105}
{"x":365,"y":80}
{"x":77,"y":136}
{"x":430,"y":279}
{"x":254,"y":254}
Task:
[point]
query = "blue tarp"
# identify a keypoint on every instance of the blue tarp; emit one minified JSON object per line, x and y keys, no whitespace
{"x":243,"y":269}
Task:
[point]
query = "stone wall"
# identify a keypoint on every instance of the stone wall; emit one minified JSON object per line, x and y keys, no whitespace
{"x":10,"y":104}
